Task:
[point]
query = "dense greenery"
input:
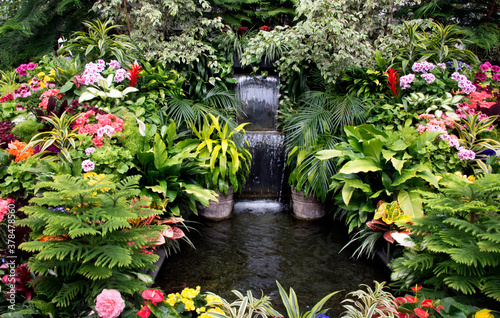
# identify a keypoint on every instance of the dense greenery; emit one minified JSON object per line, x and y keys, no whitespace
{"x":114,"y":136}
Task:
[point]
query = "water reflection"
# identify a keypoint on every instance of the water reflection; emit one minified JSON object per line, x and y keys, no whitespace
{"x":263,"y":243}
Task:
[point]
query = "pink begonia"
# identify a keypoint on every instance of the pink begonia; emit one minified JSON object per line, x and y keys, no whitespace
{"x":23,"y":91}
{"x":465,"y":154}
{"x":4,"y":207}
{"x":109,"y":303}
{"x":88,"y":165}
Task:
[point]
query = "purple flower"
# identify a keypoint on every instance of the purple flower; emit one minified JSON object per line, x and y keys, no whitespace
{"x":405,"y":81}
{"x":464,"y":154}
{"x":120,"y":75}
{"x":88,"y":165}
{"x":429,"y":77}
{"x":114,"y":64}
{"x":496,"y":77}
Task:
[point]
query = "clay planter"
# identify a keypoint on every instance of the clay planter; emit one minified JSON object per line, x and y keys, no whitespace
{"x":219,"y":210}
{"x":306,"y":208}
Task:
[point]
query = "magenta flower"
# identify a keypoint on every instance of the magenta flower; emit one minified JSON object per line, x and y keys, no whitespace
{"x":495,"y":68}
{"x":31,"y":66}
{"x":485,"y":67}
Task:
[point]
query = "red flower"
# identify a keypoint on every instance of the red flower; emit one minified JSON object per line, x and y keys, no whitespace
{"x":242,"y":29}
{"x":416,"y":288}
{"x":421,"y":313}
{"x":134,"y":73}
{"x":265,"y":28}
{"x":144,"y":312}
{"x":393,"y":80}
{"x":426,"y":303}
{"x":154,"y":295}
{"x":410,"y":299}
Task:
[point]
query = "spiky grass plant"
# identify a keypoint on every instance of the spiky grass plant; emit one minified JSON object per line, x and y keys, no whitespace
{"x":374,"y":302}
{"x":83,"y":240}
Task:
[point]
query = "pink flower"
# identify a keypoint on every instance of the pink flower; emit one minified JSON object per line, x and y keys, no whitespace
{"x":154,"y":295}
{"x":4,"y":207}
{"x":30,"y":66}
{"x":88,"y":165}
{"x":109,"y":303}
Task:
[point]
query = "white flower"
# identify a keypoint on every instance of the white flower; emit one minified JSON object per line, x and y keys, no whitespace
{"x":403,"y":239}
{"x":142,"y":127}
{"x":88,"y":165}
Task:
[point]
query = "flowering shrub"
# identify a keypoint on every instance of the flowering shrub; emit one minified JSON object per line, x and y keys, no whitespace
{"x":436,"y":74}
{"x":488,"y":74}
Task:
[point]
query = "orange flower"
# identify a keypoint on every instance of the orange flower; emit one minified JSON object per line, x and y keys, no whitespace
{"x":16,"y":149}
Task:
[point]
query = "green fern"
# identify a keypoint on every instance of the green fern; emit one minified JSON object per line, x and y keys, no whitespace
{"x":90,"y":244}
{"x":458,"y":242}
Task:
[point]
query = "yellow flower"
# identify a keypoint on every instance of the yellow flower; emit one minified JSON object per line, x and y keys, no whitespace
{"x":40,"y":75}
{"x":212,"y":299}
{"x":190,"y":292}
{"x":171,"y":300}
{"x":216,"y":309}
{"x":189,"y":304}
{"x":484,"y":313}
{"x":42,"y":85}
{"x":52,"y":72}
{"x":200,"y":310}
{"x":471,"y":178}
{"x":48,"y":79}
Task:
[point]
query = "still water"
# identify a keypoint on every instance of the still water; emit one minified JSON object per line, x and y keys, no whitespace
{"x":261,"y":244}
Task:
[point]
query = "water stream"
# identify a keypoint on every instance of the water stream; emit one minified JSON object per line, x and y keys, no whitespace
{"x":263,"y":243}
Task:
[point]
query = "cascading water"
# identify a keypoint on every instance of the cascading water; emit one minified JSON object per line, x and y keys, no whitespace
{"x":260,"y":105}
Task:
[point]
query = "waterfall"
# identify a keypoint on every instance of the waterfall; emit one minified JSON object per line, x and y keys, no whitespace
{"x":260,"y":96}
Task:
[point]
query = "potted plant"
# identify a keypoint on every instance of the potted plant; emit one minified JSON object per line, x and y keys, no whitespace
{"x":228,"y":161}
{"x":309,"y":179}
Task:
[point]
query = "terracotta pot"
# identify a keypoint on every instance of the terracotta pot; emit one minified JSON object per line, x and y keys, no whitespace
{"x":306,"y":208}
{"x":219,"y":210}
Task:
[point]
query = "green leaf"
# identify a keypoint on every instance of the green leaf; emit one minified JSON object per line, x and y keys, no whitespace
{"x":347,"y":192}
{"x":410,"y":204}
{"x":360,"y":165}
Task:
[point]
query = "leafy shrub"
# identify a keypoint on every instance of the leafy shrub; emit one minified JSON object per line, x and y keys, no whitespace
{"x":457,"y":242}
{"x":83,"y":240}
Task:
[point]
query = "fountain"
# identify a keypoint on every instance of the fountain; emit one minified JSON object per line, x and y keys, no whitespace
{"x":262,"y":242}
{"x":260,"y":105}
